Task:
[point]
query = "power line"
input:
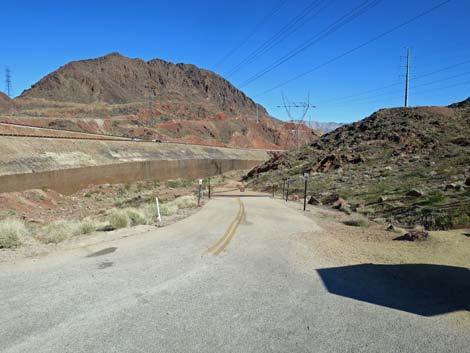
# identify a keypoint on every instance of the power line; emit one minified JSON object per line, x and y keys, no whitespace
{"x":251,"y":33}
{"x":361,"y":100}
{"x":287,"y":30}
{"x":373,"y":39}
{"x":415,"y":92}
{"x":418,"y":77}
{"x":342,"y":21}
{"x":8,"y":88}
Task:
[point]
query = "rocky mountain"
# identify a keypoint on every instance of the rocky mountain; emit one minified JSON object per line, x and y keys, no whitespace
{"x":153,"y":99}
{"x":405,"y":165}
{"x":117,"y":79}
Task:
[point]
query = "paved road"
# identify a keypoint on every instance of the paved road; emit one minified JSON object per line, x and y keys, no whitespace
{"x":234,"y":277}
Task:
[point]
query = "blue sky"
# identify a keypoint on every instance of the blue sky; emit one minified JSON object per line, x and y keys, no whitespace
{"x":40,"y":36}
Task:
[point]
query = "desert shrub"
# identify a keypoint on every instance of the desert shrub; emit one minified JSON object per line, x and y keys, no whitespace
{"x":11,"y":231}
{"x":179,"y":183}
{"x":365,"y":211}
{"x":185,"y":201}
{"x":88,"y":226}
{"x":58,"y":231}
{"x":150,"y":211}
{"x":136,"y":217}
{"x":435,"y":197}
{"x":357,"y":221}
{"x":168,"y":209}
{"x":118,"y":219}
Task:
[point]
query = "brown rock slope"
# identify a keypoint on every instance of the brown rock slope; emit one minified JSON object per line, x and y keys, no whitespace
{"x":409,"y":165}
{"x":5,"y":102}
{"x":153,"y":99}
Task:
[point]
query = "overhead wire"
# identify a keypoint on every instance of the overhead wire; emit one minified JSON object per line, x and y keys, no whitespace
{"x":356,"y":48}
{"x":287,"y":30}
{"x":330,"y":29}
{"x":250,"y":34}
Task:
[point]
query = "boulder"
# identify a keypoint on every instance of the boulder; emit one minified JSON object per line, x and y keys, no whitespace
{"x":340,"y":204}
{"x":414,"y":193}
{"x":416,"y":235}
{"x":382,"y":199}
{"x":314,"y":201}
{"x":330,"y":199}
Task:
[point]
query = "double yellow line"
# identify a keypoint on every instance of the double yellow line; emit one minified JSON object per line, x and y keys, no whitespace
{"x":229,"y":234}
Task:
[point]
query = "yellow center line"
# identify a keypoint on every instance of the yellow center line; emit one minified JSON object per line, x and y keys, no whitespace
{"x":228,"y":235}
{"x":234,"y":229}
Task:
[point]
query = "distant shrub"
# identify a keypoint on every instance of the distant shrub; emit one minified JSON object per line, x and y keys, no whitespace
{"x":179,"y":183}
{"x":357,"y":221}
{"x":118,"y":219}
{"x":11,"y":231}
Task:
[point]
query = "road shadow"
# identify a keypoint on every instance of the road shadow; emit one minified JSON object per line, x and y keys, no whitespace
{"x":103,"y":252}
{"x":420,"y":289}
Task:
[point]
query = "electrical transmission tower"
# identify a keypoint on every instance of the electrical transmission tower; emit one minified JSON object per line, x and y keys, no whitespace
{"x":8,"y":89}
{"x":304,"y":106}
{"x":407,"y":75}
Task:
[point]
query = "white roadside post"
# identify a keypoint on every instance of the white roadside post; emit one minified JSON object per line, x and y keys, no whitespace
{"x":199,"y":196}
{"x":159,"y":217}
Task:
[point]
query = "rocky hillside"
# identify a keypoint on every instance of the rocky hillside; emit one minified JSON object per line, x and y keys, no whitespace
{"x":116,"y":79}
{"x":152,"y":99}
{"x":3,"y":97}
{"x":410,"y":166}
{"x":463,"y":104}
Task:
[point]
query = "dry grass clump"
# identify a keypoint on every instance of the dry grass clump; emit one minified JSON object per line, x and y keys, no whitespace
{"x":357,"y":221}
{"x":88,"y":226}
{"x":136,"y":216}
{"x":168,"y":209}
{"x":185,"y":201}
{"x":58,"y":231}
{"x":150,"y":212}
{"x":119,"y":219}
{"x":11,"y":232}
{"x":171,"y":208}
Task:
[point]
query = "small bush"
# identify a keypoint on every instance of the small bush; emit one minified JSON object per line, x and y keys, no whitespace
{"x":11,"y":231}
{"x":136,"y":217}
{"x":88,"y":226}
{"x":168,"y":209}
{"x":357,"y":221}
{"x":150,"y":211}
{"x":118,"y":219}
{"x":185,"y":202}
{"x":59,"y":231}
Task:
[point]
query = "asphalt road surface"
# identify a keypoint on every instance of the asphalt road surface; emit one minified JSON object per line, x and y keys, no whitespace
{"x":233,"y":277}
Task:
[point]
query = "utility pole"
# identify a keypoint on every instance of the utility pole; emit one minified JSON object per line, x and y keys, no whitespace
{"x":8,"y":89}
{"x":257,"y":114}
{"x":407,"y":76}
